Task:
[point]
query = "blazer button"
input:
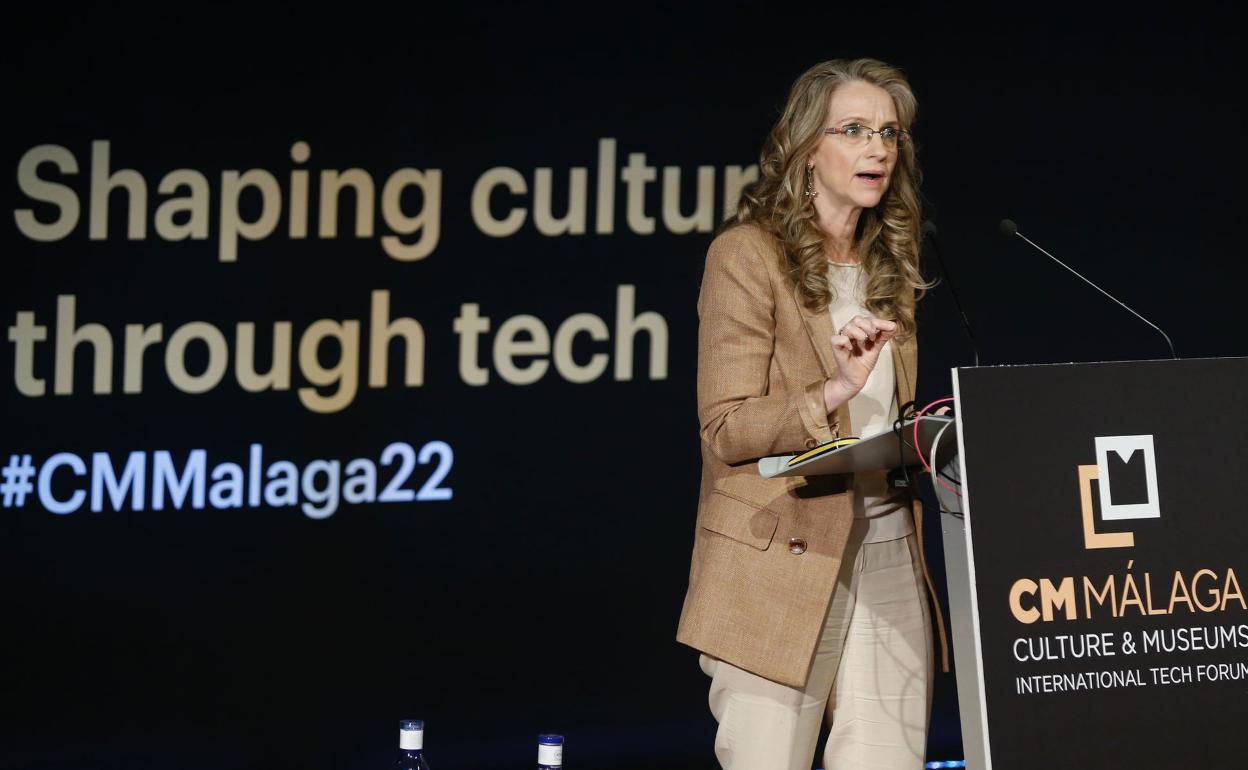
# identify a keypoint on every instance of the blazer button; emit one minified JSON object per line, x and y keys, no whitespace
{"x":811,"y":443}
{"x":797,"y":546}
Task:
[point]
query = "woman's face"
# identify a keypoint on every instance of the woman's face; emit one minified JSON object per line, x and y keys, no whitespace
{"x":848,"y":175}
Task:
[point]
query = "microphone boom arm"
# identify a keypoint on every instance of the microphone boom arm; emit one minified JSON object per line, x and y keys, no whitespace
{"x":1122,"y":304}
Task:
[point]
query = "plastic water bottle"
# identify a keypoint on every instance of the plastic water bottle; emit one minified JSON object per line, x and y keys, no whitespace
{"x":550,"y":752}
{"x":411,"y":745}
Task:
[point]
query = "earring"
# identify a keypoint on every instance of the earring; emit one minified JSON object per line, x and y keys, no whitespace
{"x":811,"y":192}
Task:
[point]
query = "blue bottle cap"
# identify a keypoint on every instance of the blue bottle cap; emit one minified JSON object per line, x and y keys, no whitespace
{"x":550,"y":740}
{"x":412,"y":724}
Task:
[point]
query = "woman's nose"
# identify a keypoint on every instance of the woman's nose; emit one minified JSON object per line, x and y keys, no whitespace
{"x":876,"y":147}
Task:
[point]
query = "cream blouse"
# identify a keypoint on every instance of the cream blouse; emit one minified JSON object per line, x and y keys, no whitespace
{"x":873,"y":410}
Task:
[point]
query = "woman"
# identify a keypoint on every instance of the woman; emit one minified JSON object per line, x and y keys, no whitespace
{"x":806,"y":596}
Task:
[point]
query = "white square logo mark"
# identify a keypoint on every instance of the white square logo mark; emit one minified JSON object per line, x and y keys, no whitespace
{"x":1129,"y":458}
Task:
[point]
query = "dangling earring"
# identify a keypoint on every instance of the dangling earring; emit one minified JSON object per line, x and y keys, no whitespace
{"x":811,"y":192}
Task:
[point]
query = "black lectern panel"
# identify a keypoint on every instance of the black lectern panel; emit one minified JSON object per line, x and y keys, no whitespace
{"x":1110,"y":535}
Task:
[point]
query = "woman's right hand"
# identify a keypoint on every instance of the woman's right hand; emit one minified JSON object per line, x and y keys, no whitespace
{"x":856,"y":349}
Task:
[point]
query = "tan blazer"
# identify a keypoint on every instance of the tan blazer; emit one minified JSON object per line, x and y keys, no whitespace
{"x":766,"y":552}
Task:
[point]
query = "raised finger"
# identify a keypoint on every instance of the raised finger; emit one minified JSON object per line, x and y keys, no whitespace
{"x":881,"y":331}
{"x":881,"y":325}
{"x":865,"y":323}
{"x":858,"y":330}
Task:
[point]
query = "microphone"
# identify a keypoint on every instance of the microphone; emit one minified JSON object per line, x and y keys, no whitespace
{"x":929,"y":233}
{"x":1009,"y":228}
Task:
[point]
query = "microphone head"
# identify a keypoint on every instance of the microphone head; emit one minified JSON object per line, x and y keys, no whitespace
{"x":928,"y":228}
{"x":1008,"y":227}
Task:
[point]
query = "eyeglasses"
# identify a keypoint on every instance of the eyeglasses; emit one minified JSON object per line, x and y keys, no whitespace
{"x":857,"y":135}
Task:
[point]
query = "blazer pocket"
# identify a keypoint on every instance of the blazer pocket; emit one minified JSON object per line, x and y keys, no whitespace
{"x":739,"y":519}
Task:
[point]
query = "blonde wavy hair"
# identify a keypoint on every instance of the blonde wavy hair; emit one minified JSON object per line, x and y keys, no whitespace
{"x":887,"y":238}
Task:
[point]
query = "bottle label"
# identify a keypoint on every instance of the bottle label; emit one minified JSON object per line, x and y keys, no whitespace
{"x":551,"y":756}
{"x":411,"y":740}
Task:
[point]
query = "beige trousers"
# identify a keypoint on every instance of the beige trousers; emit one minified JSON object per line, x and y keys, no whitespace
{"x":871,"y":676}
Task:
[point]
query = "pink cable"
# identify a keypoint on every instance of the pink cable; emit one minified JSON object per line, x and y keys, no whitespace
{"x":919,"y":451}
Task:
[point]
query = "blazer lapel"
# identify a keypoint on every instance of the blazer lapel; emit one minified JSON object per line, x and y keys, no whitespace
{"x":903,"y":369}
{"x":819,"y":326}
{"x":900,"y":376}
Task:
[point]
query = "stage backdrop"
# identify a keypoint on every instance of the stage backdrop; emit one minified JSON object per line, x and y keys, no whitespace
{"x":348,"y":360}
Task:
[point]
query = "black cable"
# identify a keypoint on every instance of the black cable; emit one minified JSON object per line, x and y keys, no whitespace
{"x":901,"y":441}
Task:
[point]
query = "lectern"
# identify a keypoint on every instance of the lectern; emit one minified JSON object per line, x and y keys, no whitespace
{"x":1096,"y":553}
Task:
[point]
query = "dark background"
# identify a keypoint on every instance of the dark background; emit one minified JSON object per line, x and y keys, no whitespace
{"x":545,"y":595}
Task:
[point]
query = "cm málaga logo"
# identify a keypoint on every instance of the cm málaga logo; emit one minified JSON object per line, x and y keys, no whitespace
{"x":1126,"y":476}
